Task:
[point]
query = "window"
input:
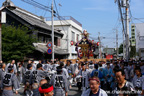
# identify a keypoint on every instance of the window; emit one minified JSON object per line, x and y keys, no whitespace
{"x":133,"y":30}
{"x":73,"y":36}
{"x":133,"y":36}
{"x":58,"y":40}
{"x":77,"y":37}
{"x":133,"y":26}
{"x":40,"y":39}
{"x":133,"y":33}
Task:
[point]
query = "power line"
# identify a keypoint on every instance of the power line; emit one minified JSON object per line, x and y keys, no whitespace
{"x":36,"y":4}
{"x":59,"y":16}
{"x":119,"y":6}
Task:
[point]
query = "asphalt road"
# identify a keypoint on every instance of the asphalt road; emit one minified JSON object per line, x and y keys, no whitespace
{"x":73,"y":92}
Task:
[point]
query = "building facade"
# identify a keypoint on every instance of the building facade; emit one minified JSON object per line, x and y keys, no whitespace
{"x":37,"y":26}
{"x":72,"y":31}
{"x":140,"y":40}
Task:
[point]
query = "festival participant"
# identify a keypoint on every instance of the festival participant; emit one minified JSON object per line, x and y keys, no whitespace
{"x":9,"y":82}
{"x":123,"y":87}
{"x":91,"y":66}
{"x":96,"y":72}
{"x":37,"y":76}
{"x":132,"y":73}
{"x":70,"y":70}
{"x":43,"y":81}
{"x":109,"y":72}
{"x":141,"y":66}
{"x":138,"y":81}
{"x":2,"y":71}
{"x":64,"y":70}
{"x":20,"y":73}
{"x":78,"y":78}
{"x":46,"y":90}
{"x":33,"y":65}
{"x":55,"y":65}
{"x":95,"y":89}
{"x":85,"y":75}
{"x":47,"y":67}
{"x":1,"y":63}
{"x":103,"y":80}
{"x":59,"y":82}
{"x":27,"y":81}
{"x":124,"y":67}
{"x":76,"y":65}
{"x":14,"y":66}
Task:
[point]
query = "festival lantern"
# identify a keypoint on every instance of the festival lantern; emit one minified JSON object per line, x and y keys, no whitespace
{"x":97,"y":43}
{"x":72,"y":42}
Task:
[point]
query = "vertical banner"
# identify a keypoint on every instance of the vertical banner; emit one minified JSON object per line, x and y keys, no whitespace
{"x":3,"y":17}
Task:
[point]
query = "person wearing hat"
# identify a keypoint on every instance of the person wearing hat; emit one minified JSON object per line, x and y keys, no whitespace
{"x":60,"y":83}
{"x":94,"y":89}
{"x":85,"y":75}
{"x":9,"y":81}
{"x":46,"y":90}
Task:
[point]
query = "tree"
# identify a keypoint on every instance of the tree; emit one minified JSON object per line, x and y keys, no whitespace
{"x":121,"y":49}
{"x":16,"y":43}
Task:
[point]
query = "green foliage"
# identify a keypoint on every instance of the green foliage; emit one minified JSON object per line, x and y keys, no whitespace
{"x":16,"y":43}
{"x":121,"y":49}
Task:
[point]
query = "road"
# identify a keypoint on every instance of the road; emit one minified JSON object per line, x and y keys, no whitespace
{"x":73,"y":92}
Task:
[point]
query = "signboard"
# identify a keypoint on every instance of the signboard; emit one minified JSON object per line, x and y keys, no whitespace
{"x":49,"y":50}
{"x":49,"y":44}
{"x":3,"y":17}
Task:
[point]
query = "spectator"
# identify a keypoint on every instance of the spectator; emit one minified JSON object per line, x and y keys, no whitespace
{"x":94,"y":88}
{"x":123,"y":87}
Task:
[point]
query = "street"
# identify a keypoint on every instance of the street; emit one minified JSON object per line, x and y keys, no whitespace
{"x":73,"y":92}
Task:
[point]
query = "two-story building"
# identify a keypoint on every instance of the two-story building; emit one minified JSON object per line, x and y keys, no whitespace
{"x":72,"y":31}
{"x":37,"y":26}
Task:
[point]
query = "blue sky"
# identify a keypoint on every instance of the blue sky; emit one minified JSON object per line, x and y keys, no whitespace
{"x":94,"y":15}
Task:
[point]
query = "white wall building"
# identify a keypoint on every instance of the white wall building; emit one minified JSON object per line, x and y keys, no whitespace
{"x":140,"y":39}
{"x":72,"y":31}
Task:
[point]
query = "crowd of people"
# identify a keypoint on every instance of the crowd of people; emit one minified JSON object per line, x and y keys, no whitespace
{"x":55,"y":78}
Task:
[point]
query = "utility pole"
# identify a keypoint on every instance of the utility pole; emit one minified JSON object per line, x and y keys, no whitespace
{"x":52,"y":31}
{"x":117,"y":42}
{"x":99,"y":45}
{"x":127,"y":29}
{"x":0,"y":42}
{"x":124,"y":55}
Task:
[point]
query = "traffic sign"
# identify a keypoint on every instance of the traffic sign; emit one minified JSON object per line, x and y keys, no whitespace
{"x":49,"y":50}
{"x":49,"y":44}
